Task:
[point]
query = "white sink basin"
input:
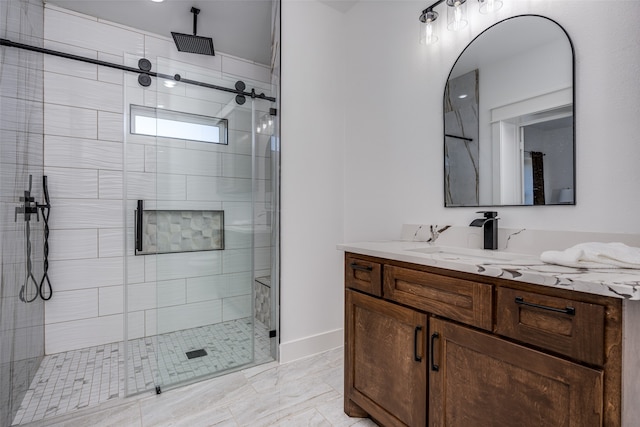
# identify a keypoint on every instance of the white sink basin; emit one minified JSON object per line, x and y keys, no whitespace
{"x":474,"y":255}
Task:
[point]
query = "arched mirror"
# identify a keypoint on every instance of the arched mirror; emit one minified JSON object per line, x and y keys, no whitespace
{"x":509,"y":117}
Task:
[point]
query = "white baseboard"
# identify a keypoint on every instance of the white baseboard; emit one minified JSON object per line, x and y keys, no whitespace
{"x":308,"y":346}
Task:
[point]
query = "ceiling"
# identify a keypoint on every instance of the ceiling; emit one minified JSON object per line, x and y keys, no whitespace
{"x":238,"y":27}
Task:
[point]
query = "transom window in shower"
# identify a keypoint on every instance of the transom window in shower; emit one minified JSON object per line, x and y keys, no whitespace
{"x":175,"y":124}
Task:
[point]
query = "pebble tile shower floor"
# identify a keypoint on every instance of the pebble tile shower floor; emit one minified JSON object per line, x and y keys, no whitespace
{"x":82,"y":378}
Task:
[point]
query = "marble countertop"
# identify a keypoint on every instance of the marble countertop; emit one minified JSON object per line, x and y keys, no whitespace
{"x":610,"y":282}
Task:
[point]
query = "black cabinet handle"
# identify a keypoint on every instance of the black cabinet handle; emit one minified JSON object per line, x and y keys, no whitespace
{"x":416,"y":331}
{"x":361,"y":267}
{"x":434,"y":367}
{"x":139,"y":225}
{"x":568,"y":310}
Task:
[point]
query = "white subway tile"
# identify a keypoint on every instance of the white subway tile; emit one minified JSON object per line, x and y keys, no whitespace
{"x":12,"y":81}
{"x":206,"y":288}
{"x":236,"y":308}
{"x":68,"y":275}
{"x":135,"y":158}
{"x":236,"y":166}
{"x":88,"y":273}
{"x":176,"y":318}
{"x":86,"y":213}
{"x":110,"y":184}
{"x":185,"y":104}
{"x":110,"y":126}
{"x":68,"y":121}
{"x":142,"y":296}
{"x":181,"y":265}
{"x":78,"y":334}
{"x":107,"y":74}
{"x":110,"y":300}
{"x":82,"y":93}
{"x":72,"y":305}
{"x":143,"y":186}
{"x":136,"y":266}
{"x":188,"y":162}
{"x":14,"y":114}
{"x":236,"y":260}
{"x":135,"y":325}
{"x":82,"y":153}
{"x":237,"y":236}
{"x":73,"y":244}
{"x":68,"y":67}
{"x":72,"y":183}
{"x":151,"y":295}
{"x":218,"y":189}
{"x":111,"y":244}
{"x":246,"y":69}
{"x":237,"y":213}
{"x":262,"y":258}
{"x":89,"y":33}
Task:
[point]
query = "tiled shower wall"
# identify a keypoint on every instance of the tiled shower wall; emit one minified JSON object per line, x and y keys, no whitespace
{"x":85,"y":111}
{"x":21,"y":323}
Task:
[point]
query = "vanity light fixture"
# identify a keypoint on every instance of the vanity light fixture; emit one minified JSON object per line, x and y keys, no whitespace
{"x":456,"y":17}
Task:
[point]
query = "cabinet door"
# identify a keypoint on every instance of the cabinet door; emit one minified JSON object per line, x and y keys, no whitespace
{"x":480,"y":380}
{"x":385,"y":360}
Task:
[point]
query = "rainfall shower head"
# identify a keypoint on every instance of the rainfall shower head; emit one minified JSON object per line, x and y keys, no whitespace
{"x":191,"y":42}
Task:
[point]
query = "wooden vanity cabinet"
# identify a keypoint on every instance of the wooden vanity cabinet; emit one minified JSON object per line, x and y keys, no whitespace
{"x":478,"y":379}
{"x":443,"y":348}
{"x":387,"y":375}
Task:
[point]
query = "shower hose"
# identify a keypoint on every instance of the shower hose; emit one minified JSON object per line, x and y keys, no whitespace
{"x":30,"y":280}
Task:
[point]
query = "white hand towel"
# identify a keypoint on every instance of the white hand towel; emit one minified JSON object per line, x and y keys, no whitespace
{"x":595,"y":255}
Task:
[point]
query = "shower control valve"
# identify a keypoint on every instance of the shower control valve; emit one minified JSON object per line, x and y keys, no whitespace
{"x":28,"y":207}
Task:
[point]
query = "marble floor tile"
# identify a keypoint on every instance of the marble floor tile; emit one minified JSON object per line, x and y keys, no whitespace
{"x":298,"y":394}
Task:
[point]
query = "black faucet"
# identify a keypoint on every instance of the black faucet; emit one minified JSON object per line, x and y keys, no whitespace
{"x":490,"y":225}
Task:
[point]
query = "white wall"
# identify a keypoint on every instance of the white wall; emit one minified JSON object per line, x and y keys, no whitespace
{"x":400,"y":179}
{"x":312,"y":178}
{"x":391,"y":150}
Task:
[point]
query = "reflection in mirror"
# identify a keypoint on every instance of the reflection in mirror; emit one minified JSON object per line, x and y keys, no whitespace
{"x":509,"y":117}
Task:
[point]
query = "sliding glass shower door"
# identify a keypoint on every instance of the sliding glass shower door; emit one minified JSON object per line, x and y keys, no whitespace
{"x":204,"y":228}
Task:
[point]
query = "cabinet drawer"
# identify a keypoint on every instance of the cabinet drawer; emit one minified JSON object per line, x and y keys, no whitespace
{"x":363,"y":275}
{"x":462,"y":300}
{"x":566,"y":326}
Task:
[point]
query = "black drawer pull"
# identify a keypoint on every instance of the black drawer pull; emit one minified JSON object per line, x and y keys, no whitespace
{"x":416,"y":331}
{"x":568,"y":310}
{"x":361,"y":267}
{"x":434,"y":367}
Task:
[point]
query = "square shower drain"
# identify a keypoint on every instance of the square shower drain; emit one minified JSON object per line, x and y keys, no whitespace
{"x":196,"y":353}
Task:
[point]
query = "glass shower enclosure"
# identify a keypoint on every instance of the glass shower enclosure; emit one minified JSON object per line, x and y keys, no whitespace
{"x":201,"y":211}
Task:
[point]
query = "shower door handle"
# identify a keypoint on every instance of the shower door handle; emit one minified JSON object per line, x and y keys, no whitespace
{"x":139,"y":225}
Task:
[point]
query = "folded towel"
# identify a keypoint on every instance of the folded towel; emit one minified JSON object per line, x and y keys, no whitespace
{"x":595,"y":255}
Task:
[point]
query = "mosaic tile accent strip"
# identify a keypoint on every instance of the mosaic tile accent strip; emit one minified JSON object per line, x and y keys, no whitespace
{"x":262,"y":292}
{"x":77,"y":379}
{"x":181,"y":231}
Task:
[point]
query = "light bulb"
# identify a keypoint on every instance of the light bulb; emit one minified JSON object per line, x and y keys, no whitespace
{"x":427,"y":31}
{"x":456,"y":15}
{"x":489,"y":6}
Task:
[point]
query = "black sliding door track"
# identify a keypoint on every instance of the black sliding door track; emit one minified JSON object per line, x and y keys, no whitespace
{"x":239,"y":90}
